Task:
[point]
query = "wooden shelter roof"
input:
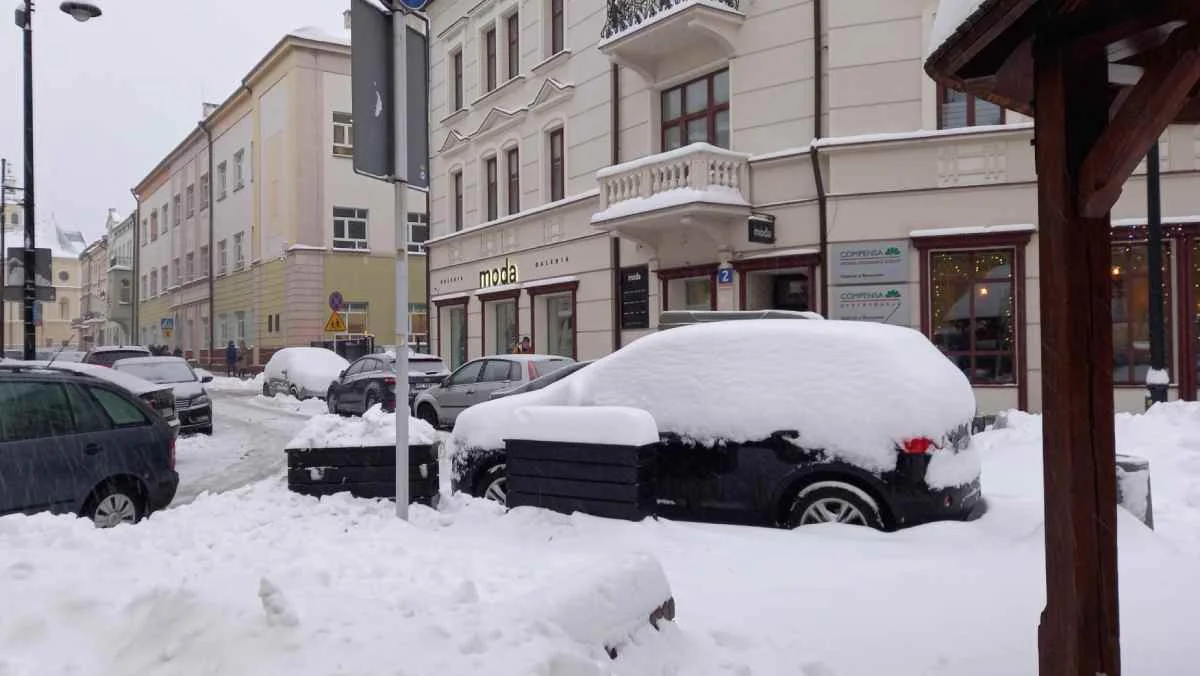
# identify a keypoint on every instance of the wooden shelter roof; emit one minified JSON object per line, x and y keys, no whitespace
{"x":990,"y":55}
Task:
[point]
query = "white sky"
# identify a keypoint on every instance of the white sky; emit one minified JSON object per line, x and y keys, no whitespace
{"x":114,"y":95}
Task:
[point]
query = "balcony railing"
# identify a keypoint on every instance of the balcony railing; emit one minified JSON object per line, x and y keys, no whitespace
{"x":710,"y":172}
{"x":625,"y":14}
{"x":120,"y":262}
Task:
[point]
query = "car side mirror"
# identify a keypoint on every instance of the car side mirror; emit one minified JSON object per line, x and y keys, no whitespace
{"x":206,"y":379}
{"x":445,"y":382}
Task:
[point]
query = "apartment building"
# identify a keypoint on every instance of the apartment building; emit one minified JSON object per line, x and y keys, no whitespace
{"x":597,"y":163}
{"x":54,"y":319}
{"x":93,"y":295}
{"x":268,"y":172}
{"x":120,"y":296}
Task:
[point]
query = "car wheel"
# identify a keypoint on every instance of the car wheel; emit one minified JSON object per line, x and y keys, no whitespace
{"x":370,"y":400}
{"x":493,"y":485}
{"x":428,"y":414}
{"x":206,"y":430}
{"x":266,"y":390}
{"x":834,"y":502}
{"x":332,"y":402}
{"x":114,"y":504}
{"x":295,"y":392}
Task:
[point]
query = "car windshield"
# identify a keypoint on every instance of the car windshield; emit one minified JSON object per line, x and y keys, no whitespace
{"x":160,"y":372}
{"x":548,"y":366}
{"x":110,"y":357}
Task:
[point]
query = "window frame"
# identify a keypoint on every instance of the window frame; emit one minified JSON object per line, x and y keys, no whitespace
{"x":491,"y":191}
{"x":512,"y":35}
{"x":345,"y":216}
{"x":190,"y":200}
{"x":222,"y":179}
{"x":457,"y":102}
{"x":223,"y":257}
{"x":345,"y":125}
{"x":1169,"y":327}
{"x":489,"y":60}
{"x":709,"y":113}
{"x":177,"y":207}
{"x":239,"y":251}
{"x":971,"y":102}
{"x":558,"y":30}
{"x":205,"y":190}
{"x":557,"y":167}
{"x":456,"y":196}
{"x":239,"y":169}
{"x":512,"y":179}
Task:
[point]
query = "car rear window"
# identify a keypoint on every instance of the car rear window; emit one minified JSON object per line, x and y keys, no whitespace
{"x":548,"y":366}
{"x":121,"y":411}
{"x":109,"y":357}
{"x":426,"y":365}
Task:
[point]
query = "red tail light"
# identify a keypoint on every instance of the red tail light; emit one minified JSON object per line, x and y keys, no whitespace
{"x":171,"y":454}
{"x":532,"y":371}
{"x":917,"y":445}
{"x":389,"y":381}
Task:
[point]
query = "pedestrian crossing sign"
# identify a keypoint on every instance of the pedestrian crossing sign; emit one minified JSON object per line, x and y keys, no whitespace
{"x":335,"y":324}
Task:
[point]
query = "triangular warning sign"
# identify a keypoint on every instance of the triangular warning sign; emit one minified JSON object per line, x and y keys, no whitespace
{"x":335,"y":324}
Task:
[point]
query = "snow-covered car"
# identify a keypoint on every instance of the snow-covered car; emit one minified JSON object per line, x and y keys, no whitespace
{"x":105,"y":355}
{"x":303,"y":372}
{"x":192,"y":404}
{"x":157,"y":396}
{"x":772,"y":422}
{"x":475,"y":381}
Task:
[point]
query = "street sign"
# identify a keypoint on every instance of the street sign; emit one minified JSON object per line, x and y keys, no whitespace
{"x":413,"y":5}
{"x":37,"y":313}
{"x":335,"y":324}
{"x":724,"y":276}
{"x":335,"y":301}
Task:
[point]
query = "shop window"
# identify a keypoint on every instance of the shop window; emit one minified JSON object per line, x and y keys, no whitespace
{"x":456,"y":331}
{"x":1131,"y":311}
{"x":973,"y":312}
{"x":502,"y":326}
{"x":956,"y":109}
{"x":559,"y":313}
{"x":697,"y":112}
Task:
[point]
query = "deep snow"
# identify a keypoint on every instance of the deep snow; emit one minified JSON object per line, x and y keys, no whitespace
{"x":375,"y":428}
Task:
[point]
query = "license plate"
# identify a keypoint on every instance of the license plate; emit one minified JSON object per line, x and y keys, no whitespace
{"x":420,"y":386}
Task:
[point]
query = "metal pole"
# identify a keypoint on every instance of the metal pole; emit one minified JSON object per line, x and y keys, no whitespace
{"x":3,"y":255}
{"x":400,"y":184}
{"x":1156,"y":382}
{"x":30,"y":295}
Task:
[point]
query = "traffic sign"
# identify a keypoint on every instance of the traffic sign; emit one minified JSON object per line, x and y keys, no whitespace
{"x":335,"y":301}
{"x":724,"y":276}
{"x":413,"y":5}
{"x":335,"y":324}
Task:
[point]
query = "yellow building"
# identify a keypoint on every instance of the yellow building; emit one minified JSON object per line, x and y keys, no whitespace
{"x":54,"y":318}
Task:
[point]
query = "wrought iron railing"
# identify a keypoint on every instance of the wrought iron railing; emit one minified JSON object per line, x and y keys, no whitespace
{"x":625,"y":14}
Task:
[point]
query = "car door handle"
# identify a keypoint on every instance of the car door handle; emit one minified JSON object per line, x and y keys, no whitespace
{"x":92,"y":449}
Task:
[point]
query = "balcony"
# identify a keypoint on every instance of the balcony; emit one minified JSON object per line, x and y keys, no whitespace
{"x":661,"y":38}
{"x":700,"y":189}
{"x":120,"y":263}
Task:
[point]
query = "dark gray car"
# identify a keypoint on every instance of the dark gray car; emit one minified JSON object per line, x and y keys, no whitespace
{"x":73,"y":443}
{"x":193,"y":406}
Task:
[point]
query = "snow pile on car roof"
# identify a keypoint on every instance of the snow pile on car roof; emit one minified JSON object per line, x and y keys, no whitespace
{"x":854,"y":389}
{"x":313,"y":368}
{"x":374,"y":428}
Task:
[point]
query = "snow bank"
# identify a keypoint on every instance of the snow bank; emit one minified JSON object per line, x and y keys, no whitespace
{"x":854,"y":389}
{"x":312,"y":368}
{"x":948,"y":468}
{"x":375,"y":428}
{"x":585,"y":425}
{"x":262,"y":581}
{"x":286,"y":402}
{"x":227,"y":384}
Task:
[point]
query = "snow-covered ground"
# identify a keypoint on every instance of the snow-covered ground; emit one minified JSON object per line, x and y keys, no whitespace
{"x":350,"y":589}
{"x":290,"y":404}
{"x":227,"y":384}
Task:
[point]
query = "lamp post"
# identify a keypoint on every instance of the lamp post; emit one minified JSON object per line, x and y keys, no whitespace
{"x":80,"y":11}
{"x":1156,"y":379}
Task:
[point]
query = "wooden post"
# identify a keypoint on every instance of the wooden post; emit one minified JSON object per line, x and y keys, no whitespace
{"x":1079,"y":633}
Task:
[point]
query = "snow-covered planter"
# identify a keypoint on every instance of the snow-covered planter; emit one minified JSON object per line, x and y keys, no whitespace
{"x":333,"y":454}
{"x":597,"y":460}
{"x":1133,"y":487}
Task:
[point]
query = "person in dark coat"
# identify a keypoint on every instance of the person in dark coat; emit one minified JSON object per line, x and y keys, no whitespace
{"x":178,"y":352}
{"x":231,"y":356}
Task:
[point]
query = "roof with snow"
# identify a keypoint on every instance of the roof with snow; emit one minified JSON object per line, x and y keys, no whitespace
{"x":62,"y":242}
{"x":318,"y":34}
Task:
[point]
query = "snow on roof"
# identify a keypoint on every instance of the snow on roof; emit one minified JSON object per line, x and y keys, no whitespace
{"x":318,"y":34}
{"x":61,"y":242}
{"x":951,"y":15}
{"x":854,"y":389}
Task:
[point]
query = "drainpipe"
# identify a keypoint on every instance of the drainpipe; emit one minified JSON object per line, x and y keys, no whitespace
{"x":429,"y":318}
{"x":212,"y":318}
{"x":615,"y":242}
{"x":135,"y":329}
{"x":814,"y":154}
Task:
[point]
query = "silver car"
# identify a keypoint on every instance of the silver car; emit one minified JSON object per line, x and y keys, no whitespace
{"x":475,"y":381}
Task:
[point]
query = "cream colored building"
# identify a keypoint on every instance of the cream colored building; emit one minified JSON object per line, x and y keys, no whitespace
{"x":597,"y":164}
{"x":121,"y":293}
{"x":270,"y":169}
{"x":54,"y":318}
{"x":93,"y":294}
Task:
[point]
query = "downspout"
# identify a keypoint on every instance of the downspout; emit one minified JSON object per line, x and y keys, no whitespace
{"x":135,"y":329}
{"x":212,"y":317}
{"x":814,"y":154}
{"x":615,"y":242}
{"x":428,"y":197}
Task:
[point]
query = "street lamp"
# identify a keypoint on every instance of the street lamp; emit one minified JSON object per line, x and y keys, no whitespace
{"x":80,"y":11}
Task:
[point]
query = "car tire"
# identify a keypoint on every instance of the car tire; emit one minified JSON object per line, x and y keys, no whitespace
{"x":370,"y":399}
{"x":266,"y":390}
{"x":834,"y":502}
{"x":295,"y":393}
{"x":428,"y":414}
{"x":493,"y":484}
{"x":114,"y":503}
{"x":206,"y":430}
{"x":332,"y":402}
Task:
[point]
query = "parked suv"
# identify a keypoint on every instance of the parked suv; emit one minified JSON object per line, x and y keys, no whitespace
{"x":107,"y":354}
{"x":475,"y":381}
{"x":371,"y":380}
{"x":74,"y":443}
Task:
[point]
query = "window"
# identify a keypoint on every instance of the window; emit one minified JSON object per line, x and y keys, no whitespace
{"x":145,"y":287}
{"x":222,"y":180}
{"x":557,"y":168}
{"x":513,"y":33}
{"x":64,"y":308}
{"x":349,"y":228}
{"x":489,"y":169}
{"x":495,"y":371}
{"x":1131,"y":311}
{"x":354,"y":313}
{"x":456,"y":319}
{"x":15,"y":218}
{"x":512,"y":159}
{"x":489,"y":59}
{"x":126,"y":295}
{"x":270,"y":323}
{"x":239,"y":254}
{"x":162,"y":280}
{"x":469,"y":373}
{"x":456,"y":78}
{"x":560,"y":325}
{"x":956,"y":109}
{"x":191,"y":200}
{"x":222,"y":258}
{"x":163,"y":221}
{"x":697,"y":112}
{"x":145,"y":230}
{"x":154,"y":226}
{"x":239,"y":168}
{"x":34,"y":411}
{"x":343,"y":135}
{"x":176,"y":203}
{"x":204,"y":262}
{"x":557,"y":43}
{"x":175,"y":272}
{"x":223,"y":321}
{"x":456,"y":194}
{"x":120,"y":411}
{"x":154,"y":282}
{"x":239,"y":319}
{"x":973,"y":312}
{"x":205,"y":191}
{"x":189,"y":270}
{"x":418,"y":232}
{"x":502,"y":320}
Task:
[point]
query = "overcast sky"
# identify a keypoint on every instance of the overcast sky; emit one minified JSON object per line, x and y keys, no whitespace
{"x":112,"y":96}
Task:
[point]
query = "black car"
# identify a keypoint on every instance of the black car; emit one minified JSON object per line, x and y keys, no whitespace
{"x":74,"y":443}
{"x":371,"y":380}
{"x":193,"y":406}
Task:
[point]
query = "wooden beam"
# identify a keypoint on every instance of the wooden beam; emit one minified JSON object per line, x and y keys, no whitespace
{"x":1079,"y":630}
{"x":1164,"y":89}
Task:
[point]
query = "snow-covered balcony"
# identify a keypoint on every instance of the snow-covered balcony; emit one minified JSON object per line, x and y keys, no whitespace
{"x":646,"y":35}
{"x":697,"y":188}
